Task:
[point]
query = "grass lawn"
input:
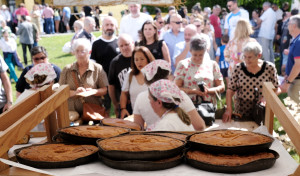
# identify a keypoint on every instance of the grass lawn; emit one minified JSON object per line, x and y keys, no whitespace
{"x":54,"y":45}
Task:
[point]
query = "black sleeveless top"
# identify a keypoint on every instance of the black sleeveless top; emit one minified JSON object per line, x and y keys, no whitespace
{"x":155,"y":49}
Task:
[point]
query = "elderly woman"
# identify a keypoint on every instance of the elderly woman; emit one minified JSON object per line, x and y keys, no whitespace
{"x":84,"y":76}
{"x":247,"y":78}
{"x":199,"y":69}
{"x":233,"y":50}
{"x":39,"y":55}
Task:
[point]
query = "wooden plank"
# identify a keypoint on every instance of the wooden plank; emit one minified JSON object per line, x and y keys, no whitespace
{"x":63,"y":119}
{"x":37,"y":133}
{"x":114,"y":2}
{"x":2,"y":165}
{"x":20,"y":172}
{"x":290,"y":125}
{"x":269,"y":119}
{"x":31,"y":119}
{"x":50,"y":121}
{"x":18,"y":110}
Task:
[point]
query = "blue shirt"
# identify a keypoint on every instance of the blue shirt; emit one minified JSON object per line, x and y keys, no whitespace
{"x":179,"y":47}
{"x":293,"y":54}
{"x":220,"y":52}
{"x":67,"y":10}
{"x":171,"y":40}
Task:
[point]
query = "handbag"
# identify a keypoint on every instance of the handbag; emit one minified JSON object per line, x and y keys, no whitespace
{"x":91,"y":112}
{"x":220,"y":111}
{"x":206,"y":110}
{"x":259,"y":110}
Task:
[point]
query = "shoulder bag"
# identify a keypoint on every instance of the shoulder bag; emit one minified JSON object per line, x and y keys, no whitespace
{"x":91,"y":111}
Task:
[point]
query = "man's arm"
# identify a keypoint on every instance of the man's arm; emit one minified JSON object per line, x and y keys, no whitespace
{"x":8,"y":91}
{"x":294,"y":73}
{"x":181,"y":55}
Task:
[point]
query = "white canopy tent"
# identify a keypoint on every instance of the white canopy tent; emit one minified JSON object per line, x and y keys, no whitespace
{"x":115,"y":2}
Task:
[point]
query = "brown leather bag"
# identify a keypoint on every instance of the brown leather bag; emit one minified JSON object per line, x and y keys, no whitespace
{"x":91,"y":111}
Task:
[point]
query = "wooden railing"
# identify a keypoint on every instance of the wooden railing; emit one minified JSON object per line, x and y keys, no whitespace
{"x":275,"y":107}
{"x":24,"y":116}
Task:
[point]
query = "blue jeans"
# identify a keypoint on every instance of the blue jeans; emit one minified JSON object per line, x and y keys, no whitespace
{"x":267,"y":49}
{"x":218,"y":41}
{"x":49,"y":28}
{"x":11,"y":66}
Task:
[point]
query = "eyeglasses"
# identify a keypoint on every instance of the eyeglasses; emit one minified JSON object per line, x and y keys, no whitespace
{"x":81,"y":51}
{"x":177,"y":22}
{"x":39,"y":58}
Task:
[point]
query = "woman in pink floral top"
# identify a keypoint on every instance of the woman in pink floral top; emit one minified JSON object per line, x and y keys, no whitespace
{"x":199,"y":68}
{"x":233,"y":50}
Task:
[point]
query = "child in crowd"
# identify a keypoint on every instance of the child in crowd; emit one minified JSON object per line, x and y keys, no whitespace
{"x":221,"y":59}
{"x":9,"y":47}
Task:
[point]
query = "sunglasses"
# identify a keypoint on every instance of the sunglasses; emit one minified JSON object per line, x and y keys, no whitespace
{"x":198,"y":26}
{"x":177,"y":22}
{"x":39,"y":58}
{"x":161,"y":22}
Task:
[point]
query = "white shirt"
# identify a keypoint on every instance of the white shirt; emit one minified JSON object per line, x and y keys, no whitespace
{"x":267,"y":28}
{"x":232,"y":19}
{"x":134,"y":88}
{"x":172,"y":122}
{"x":279,"y":14}
{"x":143,"y":107}
{"x":8,"y":46}
{"x":6,"y":15}
{"x":130,"y":26}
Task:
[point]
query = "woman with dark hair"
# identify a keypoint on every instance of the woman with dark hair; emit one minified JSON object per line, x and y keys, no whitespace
{"x":39,"y":55}
{"x":164,"y":98}
{"x":134,"y":81}
{"x":150,"y":40}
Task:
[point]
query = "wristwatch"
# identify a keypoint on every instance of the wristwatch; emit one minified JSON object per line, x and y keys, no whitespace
{"x":9,"y":102}
{"x":288,"y":82}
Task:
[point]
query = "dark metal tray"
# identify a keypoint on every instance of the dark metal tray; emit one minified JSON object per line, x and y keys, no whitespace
{"x":144,"y":155}
{"x":253,"y":166}
{"x":80,"y":139}
{"x":52,"y":165}
{"x":162,"y":134}
{"x":244,"y":149}
{"x":139,"y":165}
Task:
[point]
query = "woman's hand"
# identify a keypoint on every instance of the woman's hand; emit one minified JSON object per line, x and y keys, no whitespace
{"x":202,"y":94}
{"x":124,"y":113}
{"x":227,"y":116}
{"x":80,"y":89}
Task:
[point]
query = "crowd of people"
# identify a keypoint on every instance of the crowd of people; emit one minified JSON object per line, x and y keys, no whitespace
{"x":154,"y":68}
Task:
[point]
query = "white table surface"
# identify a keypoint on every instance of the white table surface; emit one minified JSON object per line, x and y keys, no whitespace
{"x":285,"y":165}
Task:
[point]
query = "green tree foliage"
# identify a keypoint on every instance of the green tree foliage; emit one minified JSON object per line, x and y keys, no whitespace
{"x":250,"y":5}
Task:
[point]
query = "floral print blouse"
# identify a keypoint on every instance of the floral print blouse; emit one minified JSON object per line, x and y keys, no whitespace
{"x":233,"y":53}
{"x":192,"y":74}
